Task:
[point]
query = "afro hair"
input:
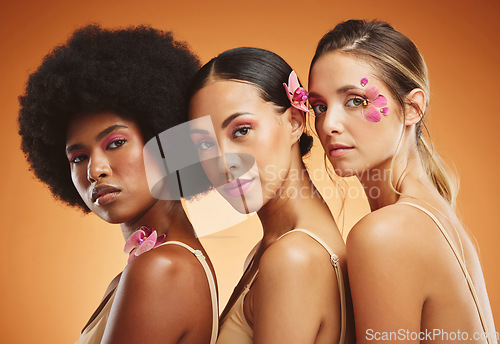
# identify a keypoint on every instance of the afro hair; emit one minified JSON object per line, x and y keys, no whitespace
{"x":139,"y":73}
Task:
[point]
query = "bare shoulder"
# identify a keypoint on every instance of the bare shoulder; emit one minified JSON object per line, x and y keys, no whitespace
{"x":394,"y":237}
{"x":294,"y":256}
{"x":385,"y":227}
{"x":159,"y":292}
{"x":167,"y":266}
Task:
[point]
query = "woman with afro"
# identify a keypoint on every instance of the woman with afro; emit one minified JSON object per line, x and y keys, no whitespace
{"x":85,"y":117}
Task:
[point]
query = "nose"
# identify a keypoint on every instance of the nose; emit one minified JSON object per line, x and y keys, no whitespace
{"x":332,"y":122}
{"x":98,"y":168}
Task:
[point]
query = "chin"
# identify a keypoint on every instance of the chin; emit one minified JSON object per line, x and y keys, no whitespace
{"x":245,"y":204}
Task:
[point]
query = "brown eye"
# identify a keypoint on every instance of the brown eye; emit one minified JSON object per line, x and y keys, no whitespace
{"x":319,"y":109}
{"x":242,"y":131}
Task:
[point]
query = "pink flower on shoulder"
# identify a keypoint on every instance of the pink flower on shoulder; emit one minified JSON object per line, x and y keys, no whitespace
{"x":142,"y":240}
{"x":374,"y":103}
{"x":296,"y":94}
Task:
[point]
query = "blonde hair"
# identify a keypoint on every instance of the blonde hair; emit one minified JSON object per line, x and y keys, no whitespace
{"x":402,"y":68}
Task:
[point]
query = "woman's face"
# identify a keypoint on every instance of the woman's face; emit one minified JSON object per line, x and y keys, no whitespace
{"x":251,"y":138}
{"x":105,"y":153}
{"x":353,"y":141}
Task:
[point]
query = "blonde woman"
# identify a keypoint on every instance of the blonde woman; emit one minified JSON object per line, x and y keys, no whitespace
{"x":414,"y":273}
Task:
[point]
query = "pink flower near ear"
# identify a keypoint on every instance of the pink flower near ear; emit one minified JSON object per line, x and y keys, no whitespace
{"x":142,"y":240}
{"x":296,"y":94}
{"x":373,"y":101}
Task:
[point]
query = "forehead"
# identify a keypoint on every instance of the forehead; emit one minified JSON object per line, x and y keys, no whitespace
{"x":224,"y":97}
{"x":88,"y":126}
{"x":339,"y":68}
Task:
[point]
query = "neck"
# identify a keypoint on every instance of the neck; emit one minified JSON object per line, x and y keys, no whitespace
{"x":408,"y":177}
{"x":166,"y":217}
{"x":284,"y":211}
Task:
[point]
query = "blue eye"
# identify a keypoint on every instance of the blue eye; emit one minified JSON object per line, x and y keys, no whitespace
{"x":116,"y":143}
{"x":319,"y":109}
{"x":241,"y":131}
{"x":354,"y":102}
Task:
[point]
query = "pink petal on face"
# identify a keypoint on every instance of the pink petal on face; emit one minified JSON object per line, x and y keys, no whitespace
{"x":133,"y":241}
{"x":372,"y":92}
{"x":371,"y":113}
{"x":384,"y":111}
{"x":364,"y":81}
{"x":380,"y":101}
{"x":147,"y":245}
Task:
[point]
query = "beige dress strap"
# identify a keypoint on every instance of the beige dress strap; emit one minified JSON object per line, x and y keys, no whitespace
{"x":460,"y":261}
{"x":334,"y":259}
{"x":211,"y":283}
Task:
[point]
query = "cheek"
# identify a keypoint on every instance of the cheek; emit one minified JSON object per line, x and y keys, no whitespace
{"x":79,"y":178}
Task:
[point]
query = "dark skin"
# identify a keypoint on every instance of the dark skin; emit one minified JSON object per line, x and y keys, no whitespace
{"x":162,"y":295}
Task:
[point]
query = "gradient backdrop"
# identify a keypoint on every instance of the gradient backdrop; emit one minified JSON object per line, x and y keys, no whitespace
{"x":56,"y":263}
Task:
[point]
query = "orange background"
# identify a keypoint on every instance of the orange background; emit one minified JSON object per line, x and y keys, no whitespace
{"x":56,"y":263}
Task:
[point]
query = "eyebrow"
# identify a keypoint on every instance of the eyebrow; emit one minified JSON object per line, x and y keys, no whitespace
{"x":339,"y":91}
{"x":198,"y":131}
{"x":99,"y":136}
{"x":232,"y":117}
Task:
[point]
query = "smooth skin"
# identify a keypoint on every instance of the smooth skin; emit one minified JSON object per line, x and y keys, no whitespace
{"x":295,"y":297}
{"x":162,"y":295}
{"x":403,"y":274}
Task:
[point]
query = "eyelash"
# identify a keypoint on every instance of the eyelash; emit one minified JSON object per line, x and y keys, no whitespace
{"x":358,"y":98}
{"x":121,"y":142}
{"x":239,"y":129}
{"x":317,"y":112}
{"x":201,"y":142}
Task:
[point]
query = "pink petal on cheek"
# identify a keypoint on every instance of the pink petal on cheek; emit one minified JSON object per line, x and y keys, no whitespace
{"x":380,"y":101}
{"x":133,"y":241}
{"x":371,"y":113}
{"x":372,"y":92}
{"x":147,"y":245}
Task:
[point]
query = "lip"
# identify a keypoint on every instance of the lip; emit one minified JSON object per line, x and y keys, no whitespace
{"x":339,"y":149}
{"x":237,"y":187}
{"x":104,"y":194}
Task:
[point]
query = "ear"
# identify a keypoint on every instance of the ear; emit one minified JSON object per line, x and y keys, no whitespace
{"x":297,"y":123}
{"x":415,"y":106}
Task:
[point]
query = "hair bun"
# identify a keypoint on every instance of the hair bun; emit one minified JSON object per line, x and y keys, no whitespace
{"x":305,"y":143}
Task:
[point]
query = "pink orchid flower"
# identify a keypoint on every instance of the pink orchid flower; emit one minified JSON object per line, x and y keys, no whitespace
{"x":374,"y":104}
{"x":296,"y":94}
{"x":142,"y":240}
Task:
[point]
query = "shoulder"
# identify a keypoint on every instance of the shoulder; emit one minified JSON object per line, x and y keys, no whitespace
{"x":385,"y":227}
{"x":168,"y":266}
{"x":394,"y":237}
{"x":294,"y":256}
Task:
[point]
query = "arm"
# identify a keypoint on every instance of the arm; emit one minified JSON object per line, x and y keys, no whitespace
{"x":292,"y":292}
{"x":386,"y":264}
{"x":159,"y":298}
